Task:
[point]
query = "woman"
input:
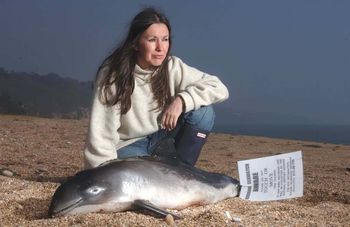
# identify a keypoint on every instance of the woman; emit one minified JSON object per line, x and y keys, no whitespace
{"x":142,"y":93}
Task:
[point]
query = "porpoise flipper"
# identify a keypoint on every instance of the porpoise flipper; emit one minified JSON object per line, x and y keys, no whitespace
{"x":149,"y":206}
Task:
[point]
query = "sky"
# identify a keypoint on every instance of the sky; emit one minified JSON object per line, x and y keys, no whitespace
{"x":282,"y":61}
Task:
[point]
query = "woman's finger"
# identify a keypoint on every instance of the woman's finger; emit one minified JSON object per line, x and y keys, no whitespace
{"x":169,"y":121}
{"x":173,"y":125}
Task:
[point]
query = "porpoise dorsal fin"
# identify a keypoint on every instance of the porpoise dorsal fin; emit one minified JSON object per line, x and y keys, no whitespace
{"x":143,"y":204}
{"x":164,"y":151}
{"x":165,"y":148}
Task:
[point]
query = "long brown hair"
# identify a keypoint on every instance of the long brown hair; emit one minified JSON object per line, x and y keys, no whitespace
{"x":120,"y":65}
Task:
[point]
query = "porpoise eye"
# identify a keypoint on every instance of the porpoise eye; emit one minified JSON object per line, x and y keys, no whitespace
{"x":95,"y":190}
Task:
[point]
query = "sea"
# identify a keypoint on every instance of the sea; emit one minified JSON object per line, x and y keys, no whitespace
{"x":335,"y":134}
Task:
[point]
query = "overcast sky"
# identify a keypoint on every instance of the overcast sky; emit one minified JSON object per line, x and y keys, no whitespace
{"x":290,"y":58}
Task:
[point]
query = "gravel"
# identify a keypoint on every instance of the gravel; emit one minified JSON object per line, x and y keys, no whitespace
{"x":36,"y":154}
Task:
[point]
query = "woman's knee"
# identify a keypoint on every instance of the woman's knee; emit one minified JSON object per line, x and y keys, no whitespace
{"x":202,"y":118}
{"x":138,"y":148}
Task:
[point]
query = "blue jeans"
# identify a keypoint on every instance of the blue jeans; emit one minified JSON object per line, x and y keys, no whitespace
{"x":203,"y":119}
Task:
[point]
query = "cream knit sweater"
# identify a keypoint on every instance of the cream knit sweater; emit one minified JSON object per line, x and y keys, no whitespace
{"x":109,"y":130}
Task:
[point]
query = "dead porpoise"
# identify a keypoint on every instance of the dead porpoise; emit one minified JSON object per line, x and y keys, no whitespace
{"x":149,"y":183}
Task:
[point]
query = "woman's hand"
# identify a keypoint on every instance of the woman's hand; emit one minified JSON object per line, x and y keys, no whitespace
{"x":172,"y":113}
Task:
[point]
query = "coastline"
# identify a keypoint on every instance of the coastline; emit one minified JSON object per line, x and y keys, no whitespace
{"x":333,"y":134}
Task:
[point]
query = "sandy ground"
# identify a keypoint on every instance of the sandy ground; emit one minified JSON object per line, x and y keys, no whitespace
{"x":43,"y":152}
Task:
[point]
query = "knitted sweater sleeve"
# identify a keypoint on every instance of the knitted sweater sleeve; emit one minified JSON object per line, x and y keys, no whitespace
{"x":196,"y":88}
{"x":102,"y":137}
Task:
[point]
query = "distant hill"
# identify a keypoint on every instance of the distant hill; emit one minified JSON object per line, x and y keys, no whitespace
{"x":43,"y":95}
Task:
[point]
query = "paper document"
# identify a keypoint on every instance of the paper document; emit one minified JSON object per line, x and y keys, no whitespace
{"x":272,"y":178}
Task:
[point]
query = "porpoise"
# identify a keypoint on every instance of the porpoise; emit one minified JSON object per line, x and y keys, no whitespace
{"x":148,"y":182}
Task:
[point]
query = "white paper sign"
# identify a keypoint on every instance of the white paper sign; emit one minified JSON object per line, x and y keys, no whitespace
{"x":272,"y":178}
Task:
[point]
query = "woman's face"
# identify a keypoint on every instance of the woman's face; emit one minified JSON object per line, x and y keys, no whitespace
{"x":153,"y":46}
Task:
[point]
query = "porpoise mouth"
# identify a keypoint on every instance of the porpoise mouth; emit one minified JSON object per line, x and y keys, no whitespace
{"x":56,"y":213}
